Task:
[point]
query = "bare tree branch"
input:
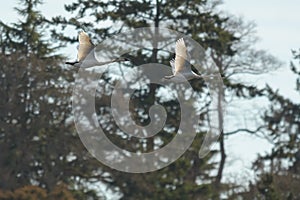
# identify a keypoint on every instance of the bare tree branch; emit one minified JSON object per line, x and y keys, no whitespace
{"x":245,"y":130}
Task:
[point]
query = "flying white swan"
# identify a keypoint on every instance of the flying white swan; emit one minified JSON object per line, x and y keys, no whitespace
{"x":85,"y":57}
{"x":181,"y":65}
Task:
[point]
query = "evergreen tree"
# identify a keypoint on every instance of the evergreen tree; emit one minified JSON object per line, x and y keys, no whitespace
{"x":165,"y":183}
{"x":226,"y":38}
{"x":278,"y":171}
{"x":38,"y":143}
{"x":37,"y":193}
{"x":27,"y":36}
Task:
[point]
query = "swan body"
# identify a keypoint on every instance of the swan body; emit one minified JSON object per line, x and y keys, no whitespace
{"x":181,"y":66}
{"x":86,"y":55}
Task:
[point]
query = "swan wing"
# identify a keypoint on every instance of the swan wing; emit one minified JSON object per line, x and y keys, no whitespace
{"x":182,"y":57}
{"x":172,"y":63}
{"x":85,"y":46}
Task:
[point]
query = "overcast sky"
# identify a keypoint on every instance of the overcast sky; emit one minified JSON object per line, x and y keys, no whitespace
{"x":278,"y":27}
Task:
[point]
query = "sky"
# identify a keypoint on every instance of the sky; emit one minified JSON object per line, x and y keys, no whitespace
{"x":277,"y":22}
{"x":278,"y":27}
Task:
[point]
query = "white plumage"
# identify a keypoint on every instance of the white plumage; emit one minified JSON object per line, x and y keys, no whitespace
{"x":181,"y":65}
{"x":85,"y":46}
{"x":86,"y":55}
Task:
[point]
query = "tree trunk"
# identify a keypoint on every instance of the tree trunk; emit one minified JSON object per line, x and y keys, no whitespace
{"x":150,"y":141}
{"x":221,"y":138}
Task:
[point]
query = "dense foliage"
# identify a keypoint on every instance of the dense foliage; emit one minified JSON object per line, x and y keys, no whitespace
{"x":42,"y":156}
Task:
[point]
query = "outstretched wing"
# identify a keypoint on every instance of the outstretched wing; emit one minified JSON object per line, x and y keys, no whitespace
{"x":85,"y":46}
{"x":182,"y":57}
{"x":172,"y":63}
